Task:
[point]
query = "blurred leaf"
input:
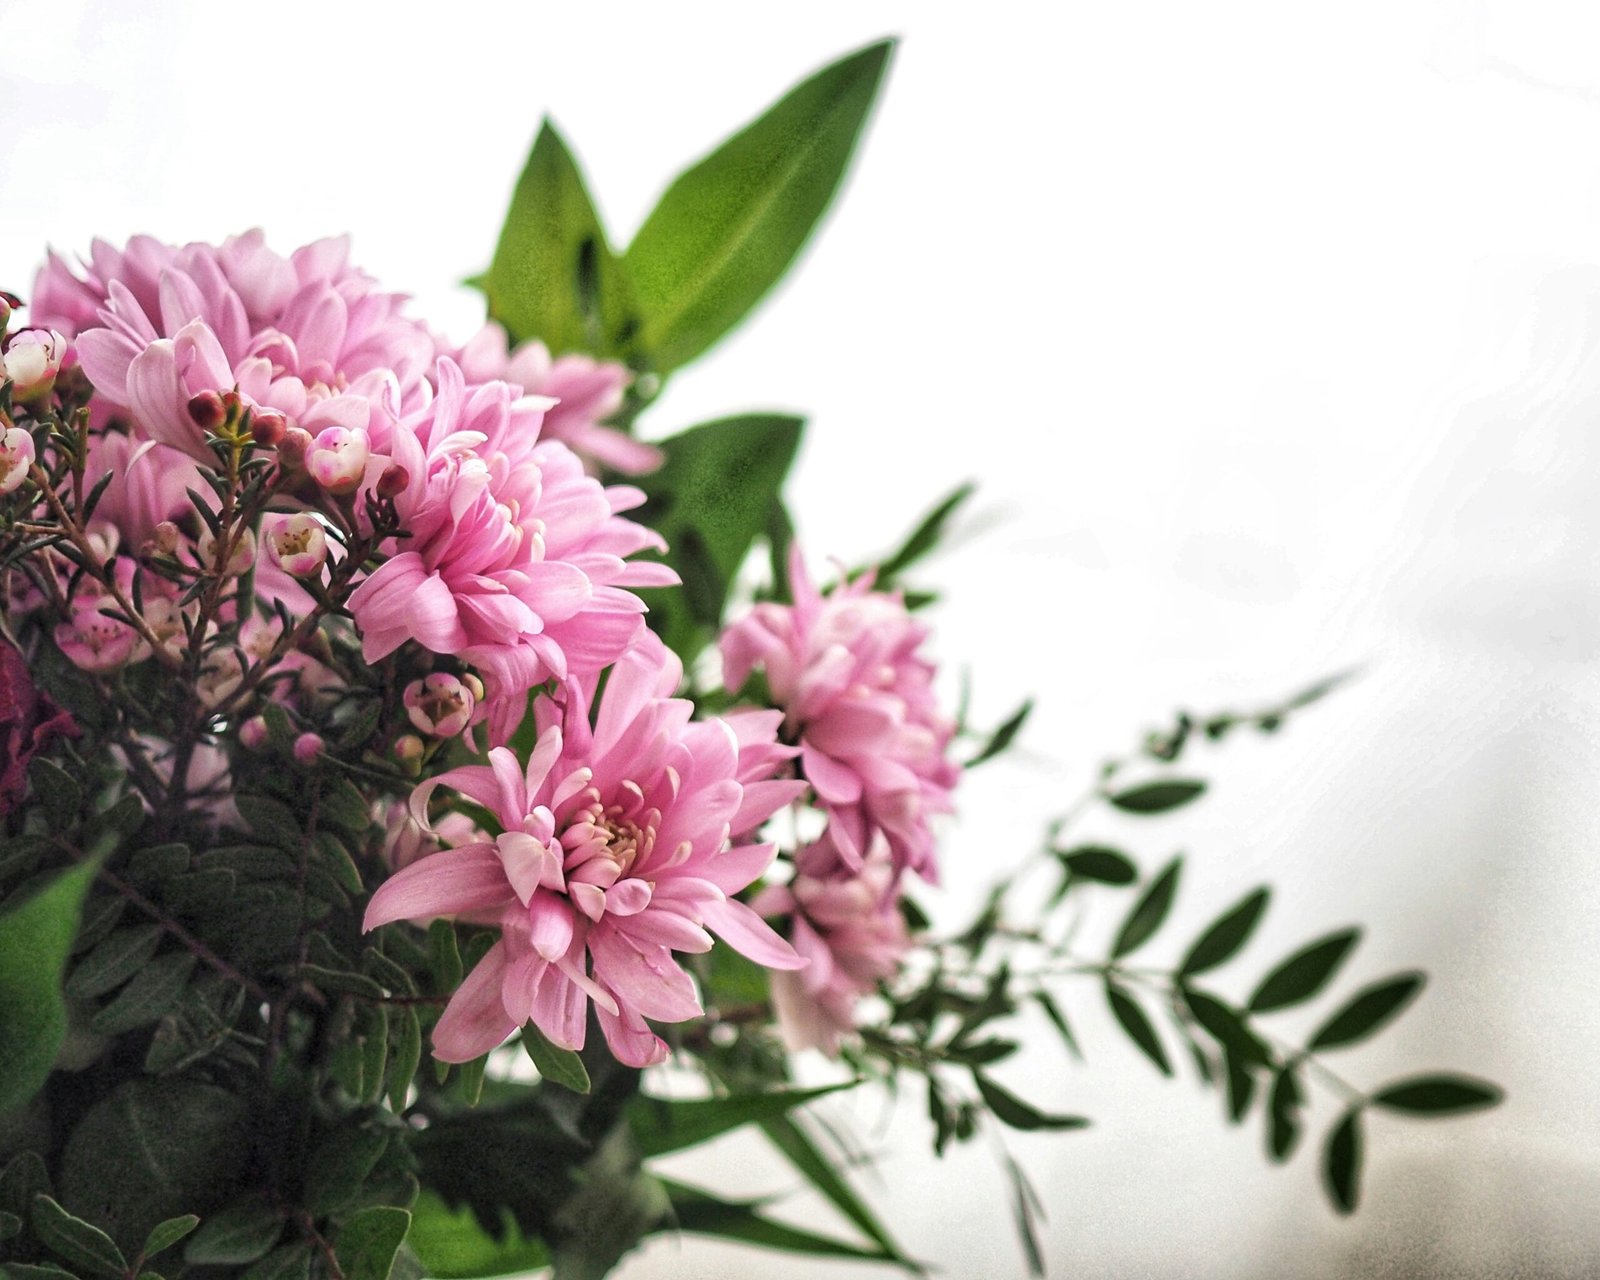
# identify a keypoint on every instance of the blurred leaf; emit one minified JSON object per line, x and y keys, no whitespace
{"x":340,"y":1165}
{"x":1341,"y":1162}
{"x":1241,"y":1082}
{"x":1058,"y":1019}
{"x":787,"y":1134}
{"x":1227,"y":1027}
{"x":273,"y":821}
{"x":291,"y":1261}
{"x":557,"y":1065}
{"x":1136,"y":1024}
{"x":444,"y":958}
{"x":57,"y":792}
{"x":1438,"y":1095}
{"x":1026,"y":1210}
{"x":1149,"y":912}
{"x":153,"y":991}
{"x":727,"y":229}
{"x":1002,"y":737}
{"x":1283,"y":1122}
{"x":661,"y":1125}
{"x":1368,"y":1011}
{"x":1100,"y":863}
{"x":706,"y":1214}
{"x":925,"y":537}
{"x":1304,"y":973}
{"x":369,"y":1240}
{"x":1222,"y":941}
{"x":35,"y":940}
{"x":83,"y":1245}
{"x":39,"y":1271}
{"x":1013,"y":1111}
{"x":454,"y":1246}
{"x":166,"y":1234}
{"x":407,"y":1058}
{"x":1158,"y":797}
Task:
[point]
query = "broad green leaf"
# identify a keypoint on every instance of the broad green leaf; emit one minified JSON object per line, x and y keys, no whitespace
{"x":1368,"y":1010}
{"x":454,"y":1246}
{"x":1136,"y":1024}
{"x":72,"y":1239}
{"x":369,"y":1240}
{"x":340,"y":1165}
{"x":35,"y":940}
{"x":1100,"y":863}
{"x":1304,"y":973}
{"x":727,"y":229}
{"x":555,"y":1064}
{"x":925,"y":537}
{"x":1438,"y":1095}
{"x":790,"y":1137}
{"x":290,"y":1261}
{"x":706,"y":1214}
{"x":153,"y":991}
{"x":1013,"y":1111}
{"x":1341,"y":1162}
{"x":554,"y":276}
{"x":661,"y":1125}
{"x":57,"y":791}
{"x":1001,"y":739}
{"x":1158,"y":797}
{"x":273,"y":821}
{"x":1222,"y":941}
{"x":1149,"y":912}
{"x":166,"y":1234}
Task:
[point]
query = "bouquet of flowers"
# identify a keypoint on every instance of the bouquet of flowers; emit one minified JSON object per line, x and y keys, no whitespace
{"x":402,"y":759}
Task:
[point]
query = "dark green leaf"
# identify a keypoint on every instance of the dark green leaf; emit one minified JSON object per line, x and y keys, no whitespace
{"x":341,"y":803}
{"x":1058,"y":1019}
{"x":1241,"y":1082}
{"x":1368,"y":1011}
{"x":273,"y":821}
{"x":1149,"y":912}
{"x":705,"y":1214}
{"x":23,"y":1177}
{"x":114,"y":961}
{"x":1013,"y":1111}
{"x":925,"y":537}
{"x":154,"y":989}
{"x":727,"y":229}
{"x":340,"y":1165}
{"x":1100,"y":863}
{"x":557,"y":1065}
{"x":1222,"y":941}
{"x":10,"y":1226}
{"x":166,"y":1234}
{"x":368,"y":1242}
{"x":1283,"y":1121}
{"x":1026,"y":1210}
{"x":1002,"y":737}
{"x":1158,"y":797}
{"x":1304,"y":973}
{"x":1227,"y":1027}
{"x":554,"y":276}
{"x":35,"y":940}
{"x":1341,"y":1162}
{"x":39,"y":1271}
{"x":82,"y":1244}
{"x":1136,"y":1024}
{"x":288,"y":1262}
{"x":148,"y":867}
{"x":444,"y":958}
{"x":790,"y":1137}
{"x":237,"y":1236}
{"x":1438,"y":1095}
{"x":407,"y":1058}
{"x":58,"y":792}
{"x":661,"y":1125}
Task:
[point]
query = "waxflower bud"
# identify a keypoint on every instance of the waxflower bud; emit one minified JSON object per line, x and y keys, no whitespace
{"x":294,"y":446}
{"x":392,"y":483}
{"x":206,"y":411}
{"x":408,"y":748}
{"x":338,"y":458}
{"x":241,"y":558}
{"x":32,"y":360}
{"x":16,"y":456}
{"x":439,"y":704}
{"x":253,"y":733}
{"x":5,"y":311}
{"x":267,"y":428}
{"x":307,"y":747}
{"x":164,"y":538}
{"x":298,"y":545}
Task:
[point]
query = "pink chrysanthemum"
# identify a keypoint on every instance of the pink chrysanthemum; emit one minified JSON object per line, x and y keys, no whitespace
{"x":587,"y":392}
{"x":514,"y":558}
{"x":615,"y":854}
{"x":306,"y":335}
{"x":846,"y":670}
{"x":847,"y":925}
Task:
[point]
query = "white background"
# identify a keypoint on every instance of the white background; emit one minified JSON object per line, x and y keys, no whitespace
{"x":1268,"y":331}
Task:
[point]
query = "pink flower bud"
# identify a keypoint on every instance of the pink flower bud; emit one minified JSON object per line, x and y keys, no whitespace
{"x":267,"y":428}
{"x":164,"y":538}
{"x":298,"y":545}
{"x":307,"y":747}
{"x":5,"y":311}
{"x":408,"y":748}
{"x":392,"y":483}
{"x":93,"y":642}
{"x":32,"y":360}
{"x":206,"y":411}
{"x":439,"y":704}
{"x":16,"y":456}
{"x":338,"y":458}
{"x":294,"y":446}
{"x":241,"y":558}
{"x":253,"y":733}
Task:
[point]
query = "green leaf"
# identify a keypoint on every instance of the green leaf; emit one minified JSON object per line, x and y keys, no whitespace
{"x":925,"y":537}
{"x":407,"y":1058}
{"x":273,"y":821}
{"x":1059,"y":1020}
{"x":1149,"y":912}
{"x":340,"y":802}
{"x":554,"y":276}
{"x":661,"y":1125}
{"x":1158,"y":797}
{"x":288,"y":1262}
{"x":1137,"y":1025}
{"x":454,"y":1246}
{"x":369,"y":1241}
{"x":1304,"y":973}
{"x":58,"y":792}
{"x":1341,"y":1162}
{"x":1013,"y":1111}
{"x":10,"y":1226}
{"x":166,"y":1234}
{"x":78,"y":1242}
{"x":727,"y":229}
{"x":237,"y":1236}
{"x":1026,"y":1210}
{"x":710,"y":500}
{"x":444,"y":958}
{"x":1100,"y":863}
{"x":790,"y":1137}
{"x":1368,"y":1010}
{"x":706,"y":1214}
{"x":1222,"y":941}
{"x":35,"y":940}
{"x":23,"y":1177}
{"x":1227,"y":1027}
{"x":1002,"y":737}
{"x":114,"y":961}
{"x":154,"y":989}
{"x":1240,"y":1080}
{"x":557,"y":1065}
{"x":340,"y":1165}
{"x":1283,"y":1122}
{"x":41,"y":1271}
{"x":1438,"y":1095}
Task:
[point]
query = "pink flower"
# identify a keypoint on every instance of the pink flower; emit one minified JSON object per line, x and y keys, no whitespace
{"x":149,"y":486}
{"x":308,"y":335}
{"x":16,"y":456}
{"x":848,"y":926}
{"x":297,"y":544}
{"x":615,"y":854}
{"x":587,"y":392}
{"x":29,"y":722}
{"x":31,"y":361}
{"x":337,"y":459}
{"x":846,"y":670}
{"x":92,"y":641}
{"x":515,"y":558}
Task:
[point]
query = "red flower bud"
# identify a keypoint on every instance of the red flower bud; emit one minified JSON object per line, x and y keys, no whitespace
{"x":267,"y":427}
{"x":392,"y":483}
{"x":207,"y":411}
{"x":294,"y":446}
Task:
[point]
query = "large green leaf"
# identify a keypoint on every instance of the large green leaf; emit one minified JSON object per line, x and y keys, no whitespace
{"x":727,"y":229}
{"x":1438,"y":1095}
{"x":1367,"y":1011}
{"x":1149,"y":912}
{"x":35,"y":939}
{"x":710,"y":500}
{"x":554,"y":276}
{"x":700,"y":1211}
{"x":661,"y":1125}
{"x":1222,"y":940}
{"x":454,"y":1246}
{"x":369,"y":1240}
{"x":1304,"y":973}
